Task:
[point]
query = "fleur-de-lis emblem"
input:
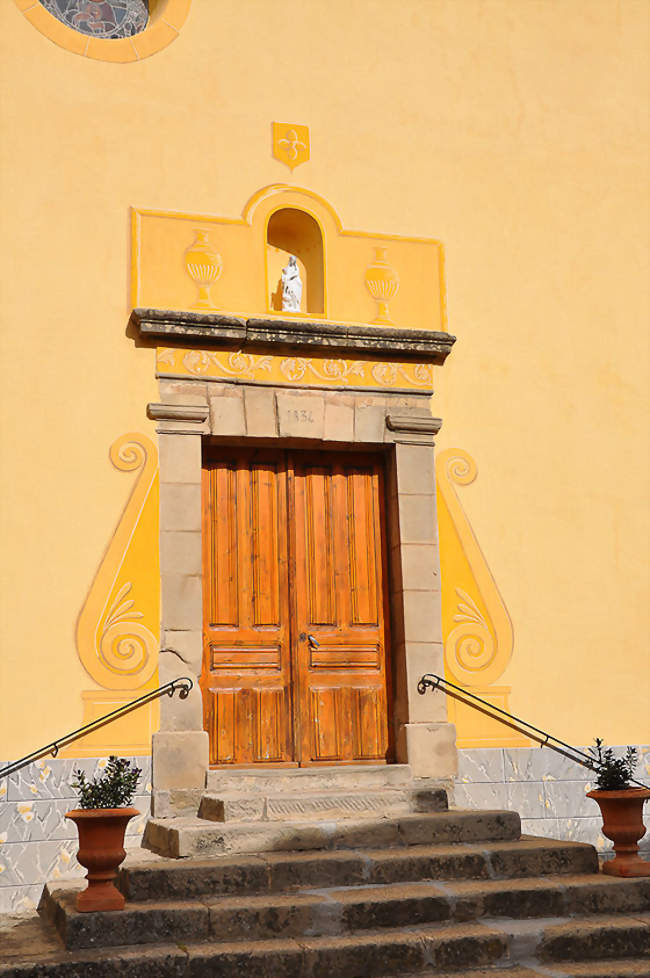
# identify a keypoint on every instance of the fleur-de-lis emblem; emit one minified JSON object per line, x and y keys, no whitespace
{"x":290,"y":143}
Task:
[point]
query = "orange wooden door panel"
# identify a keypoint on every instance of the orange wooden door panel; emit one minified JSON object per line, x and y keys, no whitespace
{"x":294,"y":664}
{"x":247,"y":655}
{"x":340,"y":632}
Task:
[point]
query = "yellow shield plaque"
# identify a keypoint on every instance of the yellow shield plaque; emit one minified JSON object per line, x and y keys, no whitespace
{"x":290,"y":143}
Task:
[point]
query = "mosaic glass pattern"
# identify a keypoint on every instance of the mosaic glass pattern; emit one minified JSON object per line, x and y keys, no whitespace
{"x":101,"y":18}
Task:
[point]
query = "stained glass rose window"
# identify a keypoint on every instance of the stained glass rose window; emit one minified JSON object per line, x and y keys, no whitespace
{"x":101,"y":18}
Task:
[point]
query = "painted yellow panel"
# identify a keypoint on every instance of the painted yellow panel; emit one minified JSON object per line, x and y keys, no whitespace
{"x":129,"y":734}
{"x":290,"y":143}
{"x":118,"y":627}
{"x":482,"y":729}
{"x":314,"y":371}
{"x":476,"y":627}
{"x":385,"y":279}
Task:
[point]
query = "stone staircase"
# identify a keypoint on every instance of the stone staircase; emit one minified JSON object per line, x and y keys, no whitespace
{"x":333,"y":889}
{"x":312,"y":793}
{"x":309,"y":808}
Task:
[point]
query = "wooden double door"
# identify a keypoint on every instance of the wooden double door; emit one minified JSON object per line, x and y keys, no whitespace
{"x":295,"y":637}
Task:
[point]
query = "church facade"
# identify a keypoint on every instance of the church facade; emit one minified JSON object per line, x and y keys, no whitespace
{"x":303,"y":410}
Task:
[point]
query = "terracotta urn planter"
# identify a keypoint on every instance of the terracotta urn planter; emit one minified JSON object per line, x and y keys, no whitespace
{"x":622,"y":813}
{"x":101,"y":850}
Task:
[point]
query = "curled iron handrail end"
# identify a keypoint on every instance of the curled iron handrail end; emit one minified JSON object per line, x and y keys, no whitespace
{"x":185,"y":685}
{"x":427,"y":682}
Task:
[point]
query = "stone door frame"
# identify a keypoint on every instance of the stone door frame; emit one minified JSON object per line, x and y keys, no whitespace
{"x":190,"y":411}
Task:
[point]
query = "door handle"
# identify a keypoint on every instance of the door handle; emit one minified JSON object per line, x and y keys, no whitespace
{"x":313,"y":642}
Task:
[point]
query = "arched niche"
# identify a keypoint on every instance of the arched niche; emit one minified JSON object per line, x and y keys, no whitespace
{"x":291,"y":231}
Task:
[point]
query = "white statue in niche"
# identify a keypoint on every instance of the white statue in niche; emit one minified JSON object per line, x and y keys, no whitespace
{"x":291,"y":286}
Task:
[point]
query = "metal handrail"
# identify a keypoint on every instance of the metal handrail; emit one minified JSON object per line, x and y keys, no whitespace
{"x":183,"y":685}
{"x":431,"y":681}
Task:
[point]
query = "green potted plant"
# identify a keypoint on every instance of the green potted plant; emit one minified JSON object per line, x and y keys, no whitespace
{"x":101,"y":823}
{"x":621,"y":807}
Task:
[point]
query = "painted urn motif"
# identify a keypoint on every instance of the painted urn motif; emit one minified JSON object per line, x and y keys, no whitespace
{"x":204,"y":266}
{"x":382,"y":283}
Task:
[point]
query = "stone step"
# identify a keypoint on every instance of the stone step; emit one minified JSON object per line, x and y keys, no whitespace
{"x":183,"y":837}
{"x":594,"y":937}
{"x":546,"y":896}
{"x":154,"y":961}
{"x":228,"y":807}
{"x":488,"y":972}
{"x":597,"y":937}
{"x":158,"y":878}
{"x":419,"y":950}
{"x":365,"y":955}
{"x":361,"y":956}
{"x":623,"y":968}
{"x":275,"y":781}
{"x":169,"y":961}
{"x":339,"y":911}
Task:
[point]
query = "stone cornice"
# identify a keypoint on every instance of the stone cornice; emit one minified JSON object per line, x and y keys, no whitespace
{"x":219,"y":331}
{"x":177,"y":412}
{"x":413,"y":424}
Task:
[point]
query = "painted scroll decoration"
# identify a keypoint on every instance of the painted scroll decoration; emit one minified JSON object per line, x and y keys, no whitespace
{"x":116,"y":637}
{"x":278,"y":370}
{"x":477,"y":630}
{"x":118,"y":626}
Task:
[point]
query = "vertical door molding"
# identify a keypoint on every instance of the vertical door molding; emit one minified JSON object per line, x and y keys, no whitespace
{"x":180,"y":748}
{"x":424,"y":738}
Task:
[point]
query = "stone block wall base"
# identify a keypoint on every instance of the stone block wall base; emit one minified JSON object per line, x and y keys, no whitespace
{"x":548,"y":790}
{"x":176,"y":802}
{"x":180,"y":759}
{"x":429,"y":749}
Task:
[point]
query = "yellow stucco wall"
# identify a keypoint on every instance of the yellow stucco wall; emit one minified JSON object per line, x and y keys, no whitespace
{"x":515,"y":133}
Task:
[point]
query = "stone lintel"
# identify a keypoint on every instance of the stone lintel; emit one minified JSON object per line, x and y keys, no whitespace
{"x":217,"y":330}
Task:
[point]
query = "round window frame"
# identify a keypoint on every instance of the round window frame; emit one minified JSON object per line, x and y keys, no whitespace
{"x":165,"y":22}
